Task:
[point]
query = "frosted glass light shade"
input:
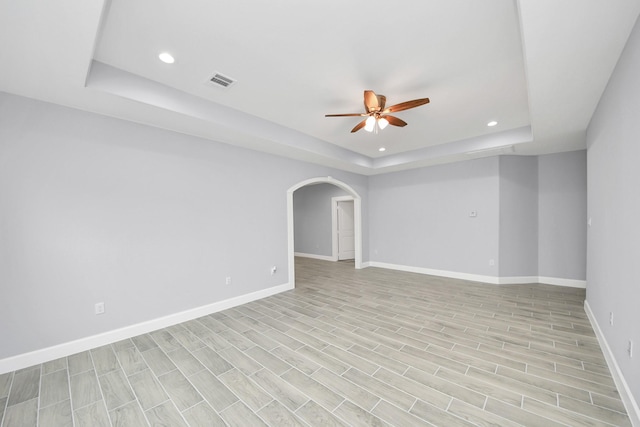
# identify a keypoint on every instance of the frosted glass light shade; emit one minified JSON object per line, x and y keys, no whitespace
{"x":370,"y":124}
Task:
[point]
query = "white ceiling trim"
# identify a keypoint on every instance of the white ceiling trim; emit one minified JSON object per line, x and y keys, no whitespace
{"x":543,"y":63}
{"x":139,"y":89}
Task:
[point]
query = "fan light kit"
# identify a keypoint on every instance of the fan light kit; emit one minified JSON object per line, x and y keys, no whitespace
{"x":377,"y":117}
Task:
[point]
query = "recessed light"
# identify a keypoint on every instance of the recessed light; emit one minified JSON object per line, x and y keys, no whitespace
{"x":381,"y":149}
{"x":166,"y":58}
{"x":492,"y":123}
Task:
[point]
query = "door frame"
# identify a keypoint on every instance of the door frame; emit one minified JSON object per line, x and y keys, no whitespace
{"x":357,"y":221}
{"x":334,"y":222}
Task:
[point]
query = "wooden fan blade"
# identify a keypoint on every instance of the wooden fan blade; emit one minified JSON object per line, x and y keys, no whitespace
{"x":381,"y":101}
{"x":395,"y":121}
{"x":346,"y":115}
{"x":406,"y":105}
{"x":371,"y":101}
{"x":359,"y":126}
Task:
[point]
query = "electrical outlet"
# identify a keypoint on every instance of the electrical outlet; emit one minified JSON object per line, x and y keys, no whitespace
{"x":630,"y":349}
{"x":492,"y":262}
{"x":273,"y":270}
{"x":227,"y":281}
{"x":611,"y":318}
{"x":99,"y":308}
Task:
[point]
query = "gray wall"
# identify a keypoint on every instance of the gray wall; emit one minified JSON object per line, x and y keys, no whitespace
{"x":543,"y":209}
{"x":562,"y":215}
{"x":613,"y":269}
{"x":531,"y":217}
{"x":148,"y":221}
{"x":518,"y":216}
{"x":312,"y":218}
{"x":420,"y":218}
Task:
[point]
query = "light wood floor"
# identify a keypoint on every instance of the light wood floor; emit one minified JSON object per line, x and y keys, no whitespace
{"x":346,"y":347}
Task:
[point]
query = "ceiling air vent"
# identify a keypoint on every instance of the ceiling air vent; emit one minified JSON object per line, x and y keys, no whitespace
{"x":221,"y":80}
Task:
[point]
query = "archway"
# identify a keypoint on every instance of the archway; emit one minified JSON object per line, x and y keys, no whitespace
{"x":357,"y":221}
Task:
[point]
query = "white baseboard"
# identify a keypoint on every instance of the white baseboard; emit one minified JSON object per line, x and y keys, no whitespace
{"x":556,"y":281}
{"x":442,"y":273}
{"x":494,"y":280}
{"x":66,"y":349}
{"x":517,"y":280}
{"x":572,"y":283}
{"x":314,"y":256}
{"x":623,"y":388}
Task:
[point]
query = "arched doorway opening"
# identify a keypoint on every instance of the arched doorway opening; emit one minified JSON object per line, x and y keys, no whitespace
{"x":290,"y":229}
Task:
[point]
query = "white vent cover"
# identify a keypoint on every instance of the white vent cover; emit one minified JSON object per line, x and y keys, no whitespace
{"x":219,"y":79}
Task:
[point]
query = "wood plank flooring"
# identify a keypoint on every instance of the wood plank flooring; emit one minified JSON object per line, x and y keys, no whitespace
{"x":347,"y":347}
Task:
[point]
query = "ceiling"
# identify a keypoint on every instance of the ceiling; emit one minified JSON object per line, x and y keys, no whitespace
{"x":537,"y":67}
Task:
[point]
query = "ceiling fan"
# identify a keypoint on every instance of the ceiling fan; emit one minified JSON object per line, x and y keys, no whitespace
{"x":376,"y":114}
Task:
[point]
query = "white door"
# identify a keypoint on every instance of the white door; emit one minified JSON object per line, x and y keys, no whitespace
{"x":346,"y":240}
